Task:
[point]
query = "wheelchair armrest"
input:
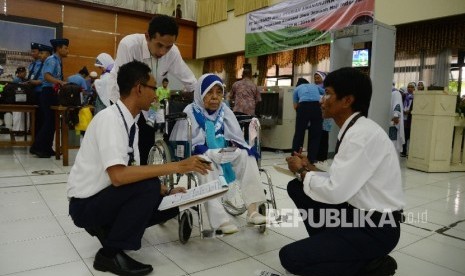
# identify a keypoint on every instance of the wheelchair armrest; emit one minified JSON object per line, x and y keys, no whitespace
{"x":244,"y":118}
{"x":176,"y":116}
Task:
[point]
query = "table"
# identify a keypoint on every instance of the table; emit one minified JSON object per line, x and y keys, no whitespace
{"x":61,"y":134}
{"x":23,"y":109}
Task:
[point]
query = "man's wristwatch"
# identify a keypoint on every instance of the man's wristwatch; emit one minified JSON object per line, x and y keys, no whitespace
{"x":298,"y":173}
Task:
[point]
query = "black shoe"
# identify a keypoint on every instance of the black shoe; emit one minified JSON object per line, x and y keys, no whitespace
{"x":32,"y":150}
{"x":120,"y":264}
{"x":99,"y":232}
{"x":384,"y":266}
{"x":41,"y":154}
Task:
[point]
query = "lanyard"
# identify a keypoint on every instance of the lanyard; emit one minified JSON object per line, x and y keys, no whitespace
{"x":351,"y":123}
{"x":131,"y":161}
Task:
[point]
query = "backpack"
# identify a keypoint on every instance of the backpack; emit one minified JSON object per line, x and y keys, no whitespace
{"x":69,"y":95}
{"x":72,"y":116}
{"x":15,"y":93}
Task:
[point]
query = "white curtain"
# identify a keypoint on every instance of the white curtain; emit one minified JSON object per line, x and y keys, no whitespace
{"x":441,"y":72}
{"x":433,"y":70}
{"x":307,"y":70}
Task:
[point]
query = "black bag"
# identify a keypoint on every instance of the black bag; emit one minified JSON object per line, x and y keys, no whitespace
{"x":393,"y":133}
{"x":69,"y":95}
{"x":72,"y":116}
{"x":15,"y":93}
{"x":179,"y":101}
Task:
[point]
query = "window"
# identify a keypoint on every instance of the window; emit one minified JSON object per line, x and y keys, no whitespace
{"x":279,"y":76}
{"x":307,"y":70}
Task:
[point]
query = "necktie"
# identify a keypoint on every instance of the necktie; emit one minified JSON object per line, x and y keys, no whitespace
{"x":32,"y":70}
{"x":132,"y":134}
{"x":36,"y":76}
{"x":61,"y":70}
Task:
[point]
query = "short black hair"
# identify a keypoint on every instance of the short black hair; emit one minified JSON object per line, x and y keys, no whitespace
{"x":165,"y":79}
{"x":164,"y":25}
{"x":20,"y":69}
{"x":301,"y":81}
{"x":84,"y":71}
{"x":350,"y":81}
{"x":131,"y":74}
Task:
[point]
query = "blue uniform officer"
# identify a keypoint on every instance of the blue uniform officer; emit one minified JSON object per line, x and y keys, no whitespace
{"x":53,"y":76}
{"x":35,"y":64}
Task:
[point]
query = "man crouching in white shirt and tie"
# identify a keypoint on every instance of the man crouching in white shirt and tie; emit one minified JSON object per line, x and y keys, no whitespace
{"x":353,"y":211}
{"x":111,"y":195}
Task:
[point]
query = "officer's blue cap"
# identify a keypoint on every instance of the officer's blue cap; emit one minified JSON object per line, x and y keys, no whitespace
{"x":34,"y":46}
{"x":45,"y":48}
{"x":59,"y":42}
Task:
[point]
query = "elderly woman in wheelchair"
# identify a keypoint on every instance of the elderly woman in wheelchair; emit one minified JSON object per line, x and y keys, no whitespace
{"x":217,"y":136}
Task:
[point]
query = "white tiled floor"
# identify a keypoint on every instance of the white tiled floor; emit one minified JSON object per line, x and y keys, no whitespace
{"x":38,"y":238}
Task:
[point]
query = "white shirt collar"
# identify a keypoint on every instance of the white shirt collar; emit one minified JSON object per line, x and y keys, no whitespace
{"x":127,"y":114}
{"x":145,"y":50}
{"x":344,"y":126}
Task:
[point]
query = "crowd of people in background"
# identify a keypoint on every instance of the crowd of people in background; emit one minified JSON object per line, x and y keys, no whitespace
{"x":401,"y":115}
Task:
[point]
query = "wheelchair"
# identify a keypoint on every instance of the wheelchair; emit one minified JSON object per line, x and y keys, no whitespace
{"x":165,"y":151}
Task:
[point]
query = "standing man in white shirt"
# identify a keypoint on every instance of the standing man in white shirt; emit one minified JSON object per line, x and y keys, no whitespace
{"x":111,"y":196}
{"x":353,"y":211}
{"x":155,"y":48}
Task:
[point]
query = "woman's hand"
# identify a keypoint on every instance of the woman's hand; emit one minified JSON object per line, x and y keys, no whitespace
{"x":194,"y":164}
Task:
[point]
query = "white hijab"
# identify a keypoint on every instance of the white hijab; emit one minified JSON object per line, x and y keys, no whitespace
{"x":232,"y":130}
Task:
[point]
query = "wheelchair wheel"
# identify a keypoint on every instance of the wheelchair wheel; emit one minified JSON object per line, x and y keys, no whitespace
{"x":185,"y":226}
{"x":233,"y":202}
{"x":262,"y":211}
{"x":160,"y":154}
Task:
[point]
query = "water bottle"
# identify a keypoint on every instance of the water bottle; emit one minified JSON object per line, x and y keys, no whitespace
{"x":151,"y":116}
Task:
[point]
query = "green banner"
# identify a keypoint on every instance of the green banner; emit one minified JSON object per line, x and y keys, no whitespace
{"x":284,"y":40}
{"x":301,"y":23}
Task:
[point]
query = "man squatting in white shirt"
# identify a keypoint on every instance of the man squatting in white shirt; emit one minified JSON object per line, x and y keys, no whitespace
{"x":364,"y":182}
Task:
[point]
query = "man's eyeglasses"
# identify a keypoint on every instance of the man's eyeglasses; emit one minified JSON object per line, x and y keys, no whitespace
{"x":154,"y":88}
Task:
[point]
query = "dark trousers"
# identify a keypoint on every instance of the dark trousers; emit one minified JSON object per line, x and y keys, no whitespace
{"x":44,"y":138}
{"x":334,"y":251}
{"x":124,"y":212}
{"x":146,"y":139}
{"x":308,"y":112}
{"x":323,"y":149}
{"x":38,"y":121}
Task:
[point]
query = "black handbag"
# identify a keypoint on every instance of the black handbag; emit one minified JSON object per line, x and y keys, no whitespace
{"x":69,"y":95}
{"x":15,"y":93}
